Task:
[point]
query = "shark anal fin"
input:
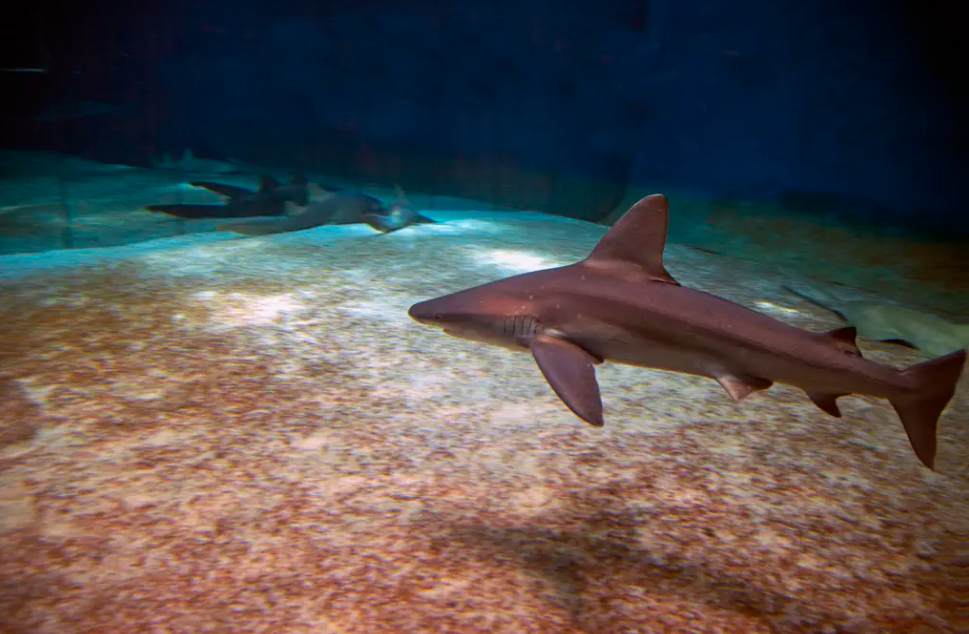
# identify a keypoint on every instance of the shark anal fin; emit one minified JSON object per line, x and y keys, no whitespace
{"x":827,"y":402}
{"x":843,"y":339}
{"x":740,"y":387}
{"x":636,"y":241}
{"x":571,"y":372}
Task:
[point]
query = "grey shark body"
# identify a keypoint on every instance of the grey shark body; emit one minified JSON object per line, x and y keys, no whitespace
{"x":269,"y":200}
{"x":621,"y":305}
{"x":332,"y":206}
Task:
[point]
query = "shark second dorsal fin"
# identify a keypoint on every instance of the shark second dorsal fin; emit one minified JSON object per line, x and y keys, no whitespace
{"x":843,"y":339}
{"x":637,"y":240}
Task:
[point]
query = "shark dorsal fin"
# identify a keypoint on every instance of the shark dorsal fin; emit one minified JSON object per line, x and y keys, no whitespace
{"x":299,"y":178}
{"x":636,"y":241}
{"x":188,"y":155}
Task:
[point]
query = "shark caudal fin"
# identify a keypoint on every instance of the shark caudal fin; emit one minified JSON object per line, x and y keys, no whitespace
{"x":934,"y":384}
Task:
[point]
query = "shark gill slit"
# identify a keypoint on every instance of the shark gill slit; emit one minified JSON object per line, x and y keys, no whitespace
{"x":520,"y":327}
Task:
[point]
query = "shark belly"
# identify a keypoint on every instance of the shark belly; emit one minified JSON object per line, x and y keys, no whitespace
{"x":776,"y":352}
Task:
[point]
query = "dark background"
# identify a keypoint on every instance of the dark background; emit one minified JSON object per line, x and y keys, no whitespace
{"x":850,"y":107}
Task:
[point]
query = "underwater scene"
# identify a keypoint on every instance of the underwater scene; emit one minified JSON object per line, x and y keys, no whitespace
{"x":584,"y":317}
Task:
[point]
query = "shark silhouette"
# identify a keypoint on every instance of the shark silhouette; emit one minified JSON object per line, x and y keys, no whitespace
{"x":269,"y":200}
{"x":620,"y":304}
{"x":890,"y":323}
{"x":333,"y":206}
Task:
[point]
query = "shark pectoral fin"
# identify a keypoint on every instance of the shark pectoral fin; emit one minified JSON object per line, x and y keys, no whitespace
{"x":192,"y":212}
{"x":843,"y":339}
{"x":221,"y":188}
{"x":828,"y":403}
{"x":256,"y":226}
{"x":419,"y":219}
{"x":636,"y":241}
{"x":900,"y":342}
{"x":571,"y":372}
{"x":740,"y":387}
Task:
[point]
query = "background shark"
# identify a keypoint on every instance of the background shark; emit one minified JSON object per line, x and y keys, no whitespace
{"x":269,"y":200}
{"x":890,"y":323}
{"x":335,"y":206}
{"x":620,"y":304}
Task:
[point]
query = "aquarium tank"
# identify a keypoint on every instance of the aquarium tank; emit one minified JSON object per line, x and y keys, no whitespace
{"x":483,"y":316}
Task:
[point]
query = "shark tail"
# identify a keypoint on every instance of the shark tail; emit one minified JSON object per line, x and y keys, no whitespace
{"x":934,"y":383}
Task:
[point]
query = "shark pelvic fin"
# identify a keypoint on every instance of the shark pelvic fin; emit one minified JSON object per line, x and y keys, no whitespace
{"x":635,"y":243}
{"x":740,"y":387}
{"x":828,"y":403}
{"x":571,"y":372}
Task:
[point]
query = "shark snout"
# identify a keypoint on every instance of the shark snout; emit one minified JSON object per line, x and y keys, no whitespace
{"x":424,"y":312}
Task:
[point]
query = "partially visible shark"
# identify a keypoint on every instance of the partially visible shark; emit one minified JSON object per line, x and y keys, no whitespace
{"x":269,"y":200}
{"x":889,"y":322}
{"x":190,"y":163}
{"x":332,"y":206}
{"x":620,"y":304}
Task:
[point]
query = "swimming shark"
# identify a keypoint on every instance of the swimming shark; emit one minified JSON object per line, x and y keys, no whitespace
{"x":620,"y":304}
{"x":890,"y":323}
{"x":399,"y":214}
{"x":331,"y":206}
{"x":269,"y":200}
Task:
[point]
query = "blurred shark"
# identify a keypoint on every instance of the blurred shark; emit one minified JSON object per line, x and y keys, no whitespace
{"x":399,"y":214}
{"x":190,"y":163}
{"x":620,"y":304}
{"x":269,"y":200}
{"x":332,"y":206}
{"x":889,"y":322}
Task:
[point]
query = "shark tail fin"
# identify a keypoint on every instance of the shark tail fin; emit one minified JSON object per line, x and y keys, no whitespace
{"x":934,"y":383}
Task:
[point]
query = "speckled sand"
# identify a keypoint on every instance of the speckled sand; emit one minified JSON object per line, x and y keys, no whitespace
{"x":210,"y":434}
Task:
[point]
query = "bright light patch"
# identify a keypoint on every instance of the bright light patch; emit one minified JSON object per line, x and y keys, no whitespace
{"x":515,"y":260}
{"x":774,"y":308}
{"x":240,"y":309}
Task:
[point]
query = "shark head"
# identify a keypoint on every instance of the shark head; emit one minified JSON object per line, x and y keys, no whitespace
{"x":490,"y":316}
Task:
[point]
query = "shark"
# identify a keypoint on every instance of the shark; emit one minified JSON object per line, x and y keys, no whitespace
{"x":269,"y":200}
{"x":890,"y":323}
{"x":333,"y":206}
{"x":620,"y":304}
